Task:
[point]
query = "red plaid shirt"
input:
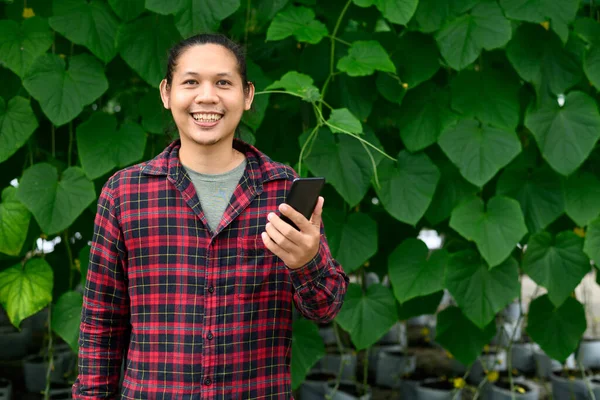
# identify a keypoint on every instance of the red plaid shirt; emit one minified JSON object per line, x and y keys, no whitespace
{"x":195,"y":315}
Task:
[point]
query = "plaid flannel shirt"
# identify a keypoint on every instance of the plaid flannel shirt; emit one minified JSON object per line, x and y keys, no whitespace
{"x":195,"y":314}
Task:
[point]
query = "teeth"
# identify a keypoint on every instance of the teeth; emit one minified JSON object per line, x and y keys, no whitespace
{"x":207,"y":117}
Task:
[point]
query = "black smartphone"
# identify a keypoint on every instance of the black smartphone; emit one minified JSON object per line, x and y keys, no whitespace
{"x":303,"y":197}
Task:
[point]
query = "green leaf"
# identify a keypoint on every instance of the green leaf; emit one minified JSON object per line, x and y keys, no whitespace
{"x":102,"y":147}
{"x":424,"y":114}
{"x":390,"y":87}
{"x":431,"y":14}
{"x":342,"y":118}
{"x":17,"y":123}
{"x":451,"y":190}
{"x":421,"y":305}
{"x":540,"y":58}
{"x":582,"y":197}
{"x":364,"y":57}
{"x":558,"y":264}
{"x":14,"y":222}
{"x":63,"y":93}
{"x":356,"y":94}
{"x":127,"y":10}
{"x":461,"y":40}
{"x":352,"y":240}
{"x":144,"y":44}
{"x":461,"y":337}
{"x":55,"y":204}
{"x":589,"y":30}
{"x":165,"y":7}
{"x":367,"y":316}
{"x":21,"y":44}
{"x":254,"y":117}
{"x":423,"y":62}
{"x":565,"y":135}
{"x":479,"y":151}
{"x":495,"y":229}
{"x":66,"y":318}
{"x":407,"y":186}
{"x":557,"y":330}
{"x":203,"y":15}
{"x":413,"y":272}
{"x":297,"y":83}
{"x":396,"y":11}
{"x":155,"y":117}
{"x":307,"y":349}
{"x":91,"y":24}
{"x":84,"y":257}
{"x":344,"y":162}
{"x":591,"y":65}
{"x":299,"y":22}
{"x":538,"y":191}
{"x":559,"y":13}
{"x":479,"y":291}
{"x":26,"y":290}
{"x":490,"y":96}
{"x":591,"y":246}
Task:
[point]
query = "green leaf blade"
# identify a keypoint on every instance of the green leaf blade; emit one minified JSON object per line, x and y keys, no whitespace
{"x":14,"y":223}
{"x":17,"y":124}
{"x":21,"y":45}
{"x":307,"y":349}
{"x":299,"y":22}
{"x":364,"y":58}
{"x":66,"y":318}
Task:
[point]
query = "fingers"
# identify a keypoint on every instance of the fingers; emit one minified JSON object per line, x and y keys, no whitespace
{"x":272,"y":246}
{"x":315,"y":219}
{"x":279,"y":238}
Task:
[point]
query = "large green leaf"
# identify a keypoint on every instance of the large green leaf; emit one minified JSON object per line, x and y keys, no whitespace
{"x":307,"y":349}
{"x":496,"y":229}
{"x":592,"y":242}
{"x":165,"y":7}
{"x":431,"y":14}
{"x":66,"y":317}
{"x":364,"y":57}
{"x":299,"y":22}
{"x":396,"y":11}
{"x":14,"y":222}
{"x":63,"y":93}
{"x":420,"y":306}
{"x":565,"y":134}
{"x":479,"y":291}
{"x":451,"y":190}
{"x":538,"y":191}
{"x":413,"y":272}
{"x":299,"y":84}
{"x":462,"y":39}
{"x":582,"y":197}
{"x":21,"y":44}
{"x":407,"y":186}
{"x":356,"y":94}
{"x":559,"y":13}
{"x":127,"y":10}
{"x":425,"y":113}
{"x":203,"y":15}
{"x":463,"y":339}
{"x":25,"y":290}
{"x":155,"y":117}
{"x":352,"y":240}
{"x":103,"y":147}
{"x":344,"y":162}
{"x":589,"y":30}
{"x":91,"y":24}
{"x":423,"y":62}
{"x":367,"y":316}
{"x":479,"y":151}
{"x":17,"y":123}
{"x":144,"y":43}
{"x":55,"y":203}
{"x":557,"y":330}
{"x":490,"y":96}
{"x":342,"y":120}
{"x":254,"y":117}
{"x":539,"y":57}
{"x":558,"y":264}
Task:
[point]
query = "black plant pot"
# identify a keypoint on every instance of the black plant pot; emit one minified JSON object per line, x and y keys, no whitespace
{"x":589,"y":353}
{"x":436,"y":389}
{"x":331,"y":363}
{"x":567,"y":387}
{"x":315,"y":386}
{"x":34,"y":371}
{"x":501,"y":391}
{"x":13,"y":343}
{"x":348,"y":390}
{"x":392,"y":366}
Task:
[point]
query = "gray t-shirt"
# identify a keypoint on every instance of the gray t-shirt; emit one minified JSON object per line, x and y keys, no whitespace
{"x":215,"y":191}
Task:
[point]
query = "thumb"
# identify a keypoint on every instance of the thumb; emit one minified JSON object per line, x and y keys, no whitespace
{"x":315,"y":219}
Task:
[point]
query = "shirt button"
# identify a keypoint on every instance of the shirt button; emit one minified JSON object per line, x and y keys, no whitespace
{"x":210,"y":336}
{"x":211,"y":289}
{"x":207,"y":381}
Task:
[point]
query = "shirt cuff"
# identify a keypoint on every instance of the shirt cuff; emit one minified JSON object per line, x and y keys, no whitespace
{"x":303,"y":277}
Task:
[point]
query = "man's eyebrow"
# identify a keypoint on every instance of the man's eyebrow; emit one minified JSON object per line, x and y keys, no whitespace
{"x":197,"y":74}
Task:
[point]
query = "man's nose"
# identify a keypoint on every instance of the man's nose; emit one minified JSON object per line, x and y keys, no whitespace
{"x":207,"y":93}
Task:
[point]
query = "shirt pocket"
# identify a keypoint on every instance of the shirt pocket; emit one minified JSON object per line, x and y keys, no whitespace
{"x":256,"y":269}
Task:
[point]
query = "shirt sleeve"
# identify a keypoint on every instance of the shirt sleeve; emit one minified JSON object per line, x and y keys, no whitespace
{"x":320,"y":285}
{"x":105,"y":314}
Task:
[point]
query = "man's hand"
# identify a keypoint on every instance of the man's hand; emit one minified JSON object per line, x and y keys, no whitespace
{"x":295,"y":248}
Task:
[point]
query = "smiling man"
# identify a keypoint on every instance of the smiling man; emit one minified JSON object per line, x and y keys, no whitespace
{"x":192,"y":273}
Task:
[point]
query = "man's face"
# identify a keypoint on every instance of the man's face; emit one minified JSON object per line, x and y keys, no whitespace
{"x":206,"y":95}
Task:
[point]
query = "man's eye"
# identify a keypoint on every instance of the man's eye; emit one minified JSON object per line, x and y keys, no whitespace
{"x":223,"y":82}
{"x":189,"y":82}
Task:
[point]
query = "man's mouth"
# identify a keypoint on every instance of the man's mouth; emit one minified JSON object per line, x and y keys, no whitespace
{"x":207,"y":117}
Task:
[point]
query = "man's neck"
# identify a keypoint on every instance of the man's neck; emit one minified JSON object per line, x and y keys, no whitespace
{"x":214,"y":159}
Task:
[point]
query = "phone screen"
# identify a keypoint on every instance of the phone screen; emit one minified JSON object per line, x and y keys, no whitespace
{"x":303,"y":197}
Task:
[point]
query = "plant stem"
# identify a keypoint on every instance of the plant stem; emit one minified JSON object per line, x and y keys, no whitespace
{"x":332,"y":53}
{"x":366,"y":370}
{"x":585,"y":380}
{"x":340,"y":40}
{"x":479,"y":387}
{"x":308,"y":140}
{"x":279,"y":91}
{"x":50,"y":354}
{"x":70,"y":255}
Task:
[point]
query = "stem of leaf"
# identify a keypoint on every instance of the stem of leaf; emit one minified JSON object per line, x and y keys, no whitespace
{"x":585,"y":380}
{"x":332,"y":54}
{"x":340,"y":40}
{"x":50,"y":354}
{"x":308,"y":140}
{"x":279,"y":91}
{"x":70,"y":255}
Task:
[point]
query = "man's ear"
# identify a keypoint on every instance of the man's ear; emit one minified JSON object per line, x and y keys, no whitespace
{"x":164,"y":93}
{"x":249,"y":96}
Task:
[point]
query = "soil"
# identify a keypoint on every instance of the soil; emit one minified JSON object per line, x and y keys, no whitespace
{"x":506,"y":385}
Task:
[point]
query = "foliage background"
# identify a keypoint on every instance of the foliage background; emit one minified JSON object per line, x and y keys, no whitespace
{"x":476,"y":118}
